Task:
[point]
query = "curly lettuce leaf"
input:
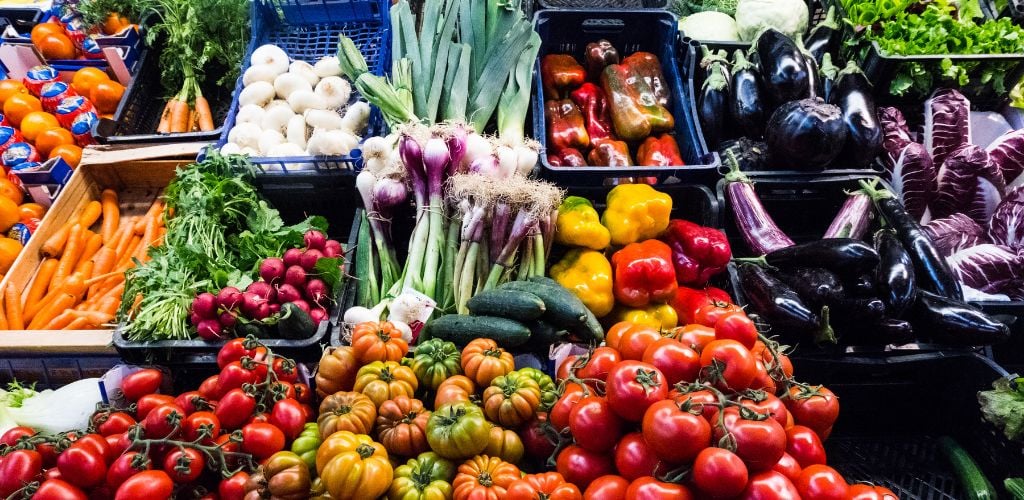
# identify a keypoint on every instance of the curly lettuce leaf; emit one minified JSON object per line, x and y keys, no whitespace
{"x":1003,"y":406}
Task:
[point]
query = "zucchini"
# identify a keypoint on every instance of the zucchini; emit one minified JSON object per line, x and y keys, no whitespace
{"x":294,"y":323}
{"x":563,"y":309}
{"x":511,"y":304}
{"x":462,"y":329}
{"x":1015,"y":485}
{"x":976,"y":485}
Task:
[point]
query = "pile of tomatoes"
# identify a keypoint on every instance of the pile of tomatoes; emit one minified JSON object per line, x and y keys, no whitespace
{"x":710,"y":410}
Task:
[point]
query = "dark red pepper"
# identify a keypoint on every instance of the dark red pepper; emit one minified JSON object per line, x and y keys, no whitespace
{"x":609,"y":153}
{"x":643,"y":274}
{"x":560,"y":73}
{"x":698,"y":252}
{"x":648,"y":67}
{"x":596,"y":112}
{"x":659,"y":152}
{"x":565,"y":125}
{"x":598,"y":55}
{"x":567,"y":157}
{"x":688,"y":300}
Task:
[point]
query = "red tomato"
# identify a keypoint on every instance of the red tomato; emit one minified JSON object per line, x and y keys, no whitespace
{"x":719,"y":473}
{"x":565,"y":368}
{"x":763,"y":381}
{"x":736,"y":326}
{"x":708,"y":315}
{"x":119,"y":443}
{"x":286,"y":370}
{"x":262,"y":440}
{"x":648,"y":488}
{"x":259,"y":418}
{"x":11,"y":437}
{"x":234,"y":409}
{"x":234,"y":376}
{"x":676,"y":361}
{"x":288,"y":416}
{"x":594,"y":425}
{"x":598,"y":363}
{"x":696,"y":336}
{"x":208,"y":389}
{"x":148,"y":402}
{"x":870,"y":492}
{"x":96,"y":444}
{"x":632,"y":387}
{"x":608,"y":487}
{"x":675,"y":435}
{"x":760,"y":443}
{"x":634,"y":457}
{"x":559,"y":414}
{"x":822,"y":482}
{"x":191,"y":402}
{"x":285,"y":388}
{"x":199,"y":422}
{"x":142,"y":382}
{"x":57,"y":489}
{"x":579,"y":466}
{"x":737,"y":364}
{"x":770,"y":485}
{"x":767,"y":404}
{"x":634,"y":342}
{"x":164,"y":421}
{"x":146,"y":485}
{"x":123,"y":468}
{"x":234,"y":350}
{"x":703,"y":400}
{"x":184,"y":465}
{"x":805,"y":446}
{"x":535,"y":440}
{"x":229,"y":445}
{"x":113,"y":423}
{"x":788,"y":466}
{"x":82,"y":467}
{"x":17,"y":469}
{"x":52,"y":473}
{"x":233,"y":488}
{"x":303,"y":393}
{"x":814,"y":407}
{"x":49,"y":454}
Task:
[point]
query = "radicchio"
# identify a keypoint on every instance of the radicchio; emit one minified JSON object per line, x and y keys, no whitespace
{"x":913,"y":179}
{"x":947,"y":123}
{"x":970,"y":183}
{"x":895,"y":134}
{"x":1007,"y":224}
{"x":990,"y":268}
{"x":954,"y":233}
{"x":1008,"y":153}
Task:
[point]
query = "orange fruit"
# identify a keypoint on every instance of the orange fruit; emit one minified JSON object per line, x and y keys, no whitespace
{"x":9,"y":213}
{"x":86,"y":78}
{"x":11,"y":191}
{"x":106,"y":95}
{"x":9,"y":250}
{"x":115,"y":23}
{"x":57,"y":46}
{"x":35,"y":123}
{"x":19,"y":105}
{"x":51,"y":138}
{"x":70,"y":152}
{"x":42,"y":30}
{"x":9,"y":88}
{"x":31,"y":211}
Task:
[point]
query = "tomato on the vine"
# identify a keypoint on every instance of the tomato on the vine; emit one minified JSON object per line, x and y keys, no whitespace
{"x":769,"y":485}
{"x":17,"y":469}
{"x":303,"y":393}
{"x":235,"y":350}
{"x":146,"y":485}
{"x":82,"y":467}
{"x":594,"y":425}
{"x":164,"y":421}
{"x":234,"y":375}
{"x":803,"y":444}
{"x":649,"y":488}
{"x":719,"y":473}
{"x":814,"y":407}
{"x":184,"y":465}
{"x":863,"y":491}
{"x":820,"y":481}
{"x":192,"y":401}
{"x":559,"y":414}
{"x":234,"y":409}
{"x":289,"y":416}
{"x":695,"y":336}
{"x":709,"y":314}
{"x":676,"y":361}
{"x":767,"y":404}
{"x":58,"y":489}
{"x":635,"y":341}
{"x":727,"y":364}
{"x":598,"y":363}
{"x":119,"y":443}
{"x":142,"y":382}
{"x":634,"y":458}
{"x":788,"y":466}
{"x":580,"y":467}
{"x":632,"y":387}
{"x":610,"y":487}
{"x":675,"y":435}
{"x":262,"y":440}
{"x":536,"y":441}
{"x":96,"y":444}
{"x":199,"y":422}
{"x":148,"y":402}
{"x":113,"y":423}
{"x":736,"y":326}
{"x":233,"y":488}
{"x":286,"y":370}
{"x":760,"y":443}
{"x":11,"y":437}
{"x":123,"y":468}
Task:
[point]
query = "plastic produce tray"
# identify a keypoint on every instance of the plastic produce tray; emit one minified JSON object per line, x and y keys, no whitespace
{"x":52,"y":372}
{"x":309,"y":30}
{"x":569,"y":31}
{"x":603,"y":4}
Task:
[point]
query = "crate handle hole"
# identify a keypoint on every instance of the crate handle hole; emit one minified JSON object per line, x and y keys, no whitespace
{"x":603,"y":26}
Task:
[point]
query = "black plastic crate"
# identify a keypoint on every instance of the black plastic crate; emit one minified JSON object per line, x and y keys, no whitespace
{"x":603,"y":4}
{"x":53,"y":372}
{"x":569,"y":31}
{"x":815,"y":14}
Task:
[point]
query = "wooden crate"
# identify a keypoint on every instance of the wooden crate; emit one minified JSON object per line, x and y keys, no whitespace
{"x":139,"y":175}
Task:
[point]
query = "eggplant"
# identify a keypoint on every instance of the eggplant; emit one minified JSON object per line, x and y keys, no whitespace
{"x":853,"y":218}
{"x":825,"y":38}
{"x":814,"y":84}
{"x":858,"y":310}
{"x":894,"y":276}
{"x":755,"y":225}
{"x":746,"y":103}
{"x":860,"y":286}
{"x":750,"y":155}
{"x":782,"y":67}
{"x":805,"y":135}
{"x":713,"y":106}
{"x":781,"y":306}
{"x":844,"y":256}
{"x":852,"y":94}
{"x":953,"y":322}
{"x":817,"y":286}
{"x":888,"y":331}
{"x":829,"y":74}
{"x":931,"y":271}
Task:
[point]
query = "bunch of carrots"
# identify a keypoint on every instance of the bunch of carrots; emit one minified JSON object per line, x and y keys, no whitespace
{"x":79,"y":283}
{"x":179,"y":117}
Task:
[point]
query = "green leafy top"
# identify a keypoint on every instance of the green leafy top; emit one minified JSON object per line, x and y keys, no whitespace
{"x":1004,"y":406}
{"x":95,"y":12}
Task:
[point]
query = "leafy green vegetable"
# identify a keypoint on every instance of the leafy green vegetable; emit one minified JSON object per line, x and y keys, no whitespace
{"x":95,"y":12}
{"x":683,"y":8}
{"x":16,"y":394}
{"x":1004,"y":406}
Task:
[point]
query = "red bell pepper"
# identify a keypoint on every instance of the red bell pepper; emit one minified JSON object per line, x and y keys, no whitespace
{"x":609,"y":153}
{"x":688,"y":300}
{"x":565,"y":125}
{"x":636,"y":113}
{"x":643,"y":273}
{"x":659,"y":152}
{"x":560,"y":73}
{"x":596,"y":113}
{"x":648,"y":68}
{"x":598,"y":55}
{"x":698,"y":252}
{"x":567,"y":157}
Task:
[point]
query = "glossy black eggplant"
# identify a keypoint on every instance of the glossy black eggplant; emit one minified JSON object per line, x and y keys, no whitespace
{"x":713,"y":105}
{"x":862,"y":285}
{"x":780,"y":305}
{"x":746,"y":102}
{"x":861,"y":310}
{"x":814,"y":84}
{"x":782,"y":67}
{"x":853,"y":95}
{"x":953,"y":322}
{"x":894,"y":276}
{"x":805,"y":135}
{"x":931,"y":271}
{"x":825,"y":38}
{"x":817,"y":286}
{"x":888,"y":331}
{"x":828,"y":74}
{"x":750,"y":155}
{"x":844,"y":256}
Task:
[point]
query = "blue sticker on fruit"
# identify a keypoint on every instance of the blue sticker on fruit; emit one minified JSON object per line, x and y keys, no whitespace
{"x":20,"y":233}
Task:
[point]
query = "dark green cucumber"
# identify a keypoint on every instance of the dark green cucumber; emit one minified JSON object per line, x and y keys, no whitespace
{"x":511,"y":304}
{"x":543,"y":334}
{"x":976,"y":486}
{"x":1015,"y":485}
{"x":462,"y":329}
{"x":256,"y":328}
{"x":563,"y":309}
{"x":295,"y":324}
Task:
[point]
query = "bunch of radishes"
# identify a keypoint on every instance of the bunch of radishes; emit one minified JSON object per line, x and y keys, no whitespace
{"x":291,"y":278}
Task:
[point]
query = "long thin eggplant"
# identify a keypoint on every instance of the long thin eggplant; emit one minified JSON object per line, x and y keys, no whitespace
{"x":746,"y":102}
{"x":894,"y":276}
{"x":825,"y":38}
{"x":829,"y":75}
{"x":782,"y":67}
{"x":956,"y":323}
{"x":781,"y":306}
{"x":888,"y":331}
{"x":931,"y":271}
{"x":817,"y":286}
{"x":864,"y":310}
{"x":853,"y":218}
{"x":815,"y":86}
{"x":844,"y":256}
{"x":713,"y":106}
{"x":756,"y":226}
{"x":853,"y":95}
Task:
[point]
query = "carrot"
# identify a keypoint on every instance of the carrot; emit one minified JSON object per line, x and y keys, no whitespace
{"x":152,"y":230}
{"x":193,"y":121}
{"x":111,"y":214}
{"x":61,"y":321}
{"x":41,"y":282}
{"x":95,"y":317}
{"x":104,"y":263}
{"x":80,"y":323}
{"x":3,"y":319}
{"x":179,"y":116}
{"x":108,"y":305}
{"x":69,"y":257}
{"x":92,"y":245}
{"x":12,"y":301}
{"x":115,"y":292}
{"x":165,"y":119}
{"x":85,"y":267}
{"x":204,"y":114}
{"x":126,"y":258}
{"x":90,"y":214}
{"x":140,"y":225}
{"x":54,"y":245}
{"x":125,"y":238}
{"x":67,"y":296}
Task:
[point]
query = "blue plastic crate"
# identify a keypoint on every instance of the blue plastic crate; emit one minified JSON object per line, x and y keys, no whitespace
{"x":308,"y":31}
{"x":569,"y":31}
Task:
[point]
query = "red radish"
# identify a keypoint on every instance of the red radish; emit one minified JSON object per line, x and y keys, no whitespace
{"x":209,"y":329}
{"x":228,"y":320}
{"x":316,"y":291}
{"x":332,"y":248}
{"x":302,"y":304}
{"x":288,"y":293}
{"x":194,"y":318}
{"x":291,"y":257}
{"x":263,"y":289}
{"x":262,"y":312}
{"x":205,"y":305}
{"x":251,"y":303}
{"x":318,"y":315}
{"x":296,"y":277}
{"x":274,"y":308}
{"x":309,"y":259}
{"x":229,"y":297}
{"x":314,"y":239}
{"x":272,"y":269}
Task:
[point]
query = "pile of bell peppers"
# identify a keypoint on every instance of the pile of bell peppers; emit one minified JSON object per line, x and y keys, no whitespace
{"x":610,"y":112}
{"x":633,"y":262}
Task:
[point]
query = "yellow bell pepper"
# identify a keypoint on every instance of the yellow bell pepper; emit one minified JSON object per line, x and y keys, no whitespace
{"x":588,"y":274}
{"x":660,"y":316}
{"x":579,"y":225}
{"x":636,"y":212}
